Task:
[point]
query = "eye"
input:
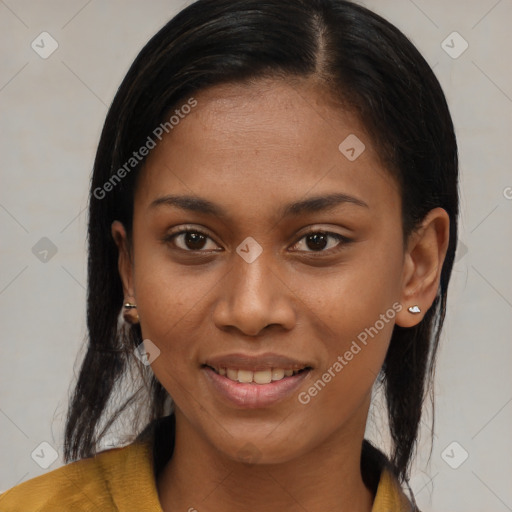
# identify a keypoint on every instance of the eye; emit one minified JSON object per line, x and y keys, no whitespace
{"x":318,"y":241}
{"x":193,"y":239}
{"x":190,"y":240}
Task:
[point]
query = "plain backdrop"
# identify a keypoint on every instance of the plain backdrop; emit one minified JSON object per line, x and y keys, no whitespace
{"x":52,"y":111}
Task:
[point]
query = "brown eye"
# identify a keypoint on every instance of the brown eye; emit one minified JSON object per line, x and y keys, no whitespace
{"x":194,"y":241}
{"x":318,"y":241}
{"x":190,"y":240}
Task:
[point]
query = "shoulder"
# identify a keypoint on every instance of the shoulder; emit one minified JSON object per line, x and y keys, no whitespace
{"x":390,"y":495}
{"x":90,"y":484}
{"x":379,"y":476}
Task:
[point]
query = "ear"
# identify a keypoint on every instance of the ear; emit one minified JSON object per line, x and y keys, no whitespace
{"x":423,"y":262}
{"x":125,"y":264}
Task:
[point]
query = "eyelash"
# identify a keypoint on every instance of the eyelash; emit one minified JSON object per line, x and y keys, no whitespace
{"x":343,"y":239}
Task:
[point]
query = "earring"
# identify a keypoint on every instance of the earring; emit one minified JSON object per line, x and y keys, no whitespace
{"x":414,"y":310}
{"x":130,"y":314}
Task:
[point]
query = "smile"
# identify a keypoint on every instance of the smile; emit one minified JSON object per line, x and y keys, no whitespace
{"x":256,"y":377}
{"x":254,"y":389}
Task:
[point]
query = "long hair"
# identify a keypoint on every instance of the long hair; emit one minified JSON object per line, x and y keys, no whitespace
{"x":360,"y":59}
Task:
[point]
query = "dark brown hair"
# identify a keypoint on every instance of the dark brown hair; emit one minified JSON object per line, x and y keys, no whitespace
{"x":359,"y":58}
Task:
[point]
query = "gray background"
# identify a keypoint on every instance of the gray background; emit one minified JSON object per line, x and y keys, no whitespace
{"x":52,"y":111}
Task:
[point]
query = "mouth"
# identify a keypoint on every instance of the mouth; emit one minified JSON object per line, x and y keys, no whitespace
{"x":256,"y":377}
{"x":258,"y":388}
{"x":251,"y":381}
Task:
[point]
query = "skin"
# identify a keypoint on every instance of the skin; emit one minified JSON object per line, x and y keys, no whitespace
{"x":253,"y":149}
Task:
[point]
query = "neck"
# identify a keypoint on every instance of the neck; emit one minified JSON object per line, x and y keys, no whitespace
{"x":328,"y":477}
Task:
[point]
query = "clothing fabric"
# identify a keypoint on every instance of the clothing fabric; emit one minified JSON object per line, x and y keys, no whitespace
{"x":124,"y":479}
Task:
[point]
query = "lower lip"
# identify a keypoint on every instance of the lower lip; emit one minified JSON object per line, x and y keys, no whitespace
{"x":252,"y":395}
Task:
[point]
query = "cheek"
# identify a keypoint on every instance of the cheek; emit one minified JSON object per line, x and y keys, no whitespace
{"x":166,"y":291}
{"x":171,"y":301}
{"x":355,"y":310}
{"x":354,"y":296}
{"x":167,"y":317}
{"x":355,"y":332}
{"x":169,"y":305}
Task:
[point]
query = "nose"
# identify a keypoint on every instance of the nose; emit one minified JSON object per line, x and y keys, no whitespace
{"x":253,"y":298}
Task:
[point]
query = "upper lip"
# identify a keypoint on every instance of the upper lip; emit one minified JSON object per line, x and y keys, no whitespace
{"x":256,"y":363}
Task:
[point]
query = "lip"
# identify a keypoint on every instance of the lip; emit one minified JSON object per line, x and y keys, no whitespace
{"x":253,"y":363}
{"x":252,"y":395}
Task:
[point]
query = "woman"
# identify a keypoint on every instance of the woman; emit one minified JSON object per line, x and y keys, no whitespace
{"x":273,"y":216}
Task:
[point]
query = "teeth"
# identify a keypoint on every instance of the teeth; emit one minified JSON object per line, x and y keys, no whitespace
{"x":262,"y":377}
{"x":277,"y":373}
{"x":258,"y":377}
{"x":245,"y":376}
{"x":232,"y":374}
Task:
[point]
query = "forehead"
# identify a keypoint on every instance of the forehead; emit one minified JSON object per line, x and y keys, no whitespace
{"x":274,"y":113}
{"x":270,"y":137}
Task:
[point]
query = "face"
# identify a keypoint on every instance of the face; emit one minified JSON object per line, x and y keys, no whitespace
{"x":286,"y":255}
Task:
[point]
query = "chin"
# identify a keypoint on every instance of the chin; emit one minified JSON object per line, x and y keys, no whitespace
{"x":253,"y":449}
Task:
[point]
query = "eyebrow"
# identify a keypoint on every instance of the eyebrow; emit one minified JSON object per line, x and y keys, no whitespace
{"x":313,"y":204}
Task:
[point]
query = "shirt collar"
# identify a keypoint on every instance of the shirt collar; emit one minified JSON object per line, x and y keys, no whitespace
{"x":377,"y":473}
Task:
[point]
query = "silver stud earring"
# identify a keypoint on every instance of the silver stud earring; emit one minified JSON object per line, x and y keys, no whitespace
{"x":130,"y":313}
{"x":414,"y":310}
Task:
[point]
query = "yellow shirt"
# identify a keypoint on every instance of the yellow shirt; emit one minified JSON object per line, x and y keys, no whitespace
{"x":122,"y":480}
